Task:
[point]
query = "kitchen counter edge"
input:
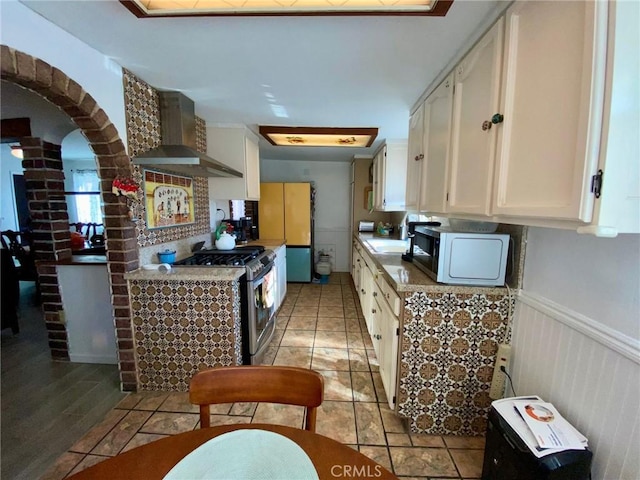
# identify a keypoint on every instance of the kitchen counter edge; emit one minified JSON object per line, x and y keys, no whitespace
{"x":405,"y":277}
{"x":221,"y":274}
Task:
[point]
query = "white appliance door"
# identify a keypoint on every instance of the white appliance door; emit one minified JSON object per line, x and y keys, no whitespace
{"x":475,"y":260}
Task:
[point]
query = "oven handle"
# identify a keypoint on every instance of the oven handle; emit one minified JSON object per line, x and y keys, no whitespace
{"x":260,"y":278}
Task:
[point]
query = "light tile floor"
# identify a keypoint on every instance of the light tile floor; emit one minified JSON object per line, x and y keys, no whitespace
{"x":321,"y":327}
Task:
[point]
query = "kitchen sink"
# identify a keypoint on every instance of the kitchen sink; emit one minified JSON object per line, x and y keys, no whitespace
{"x":388,"y":245}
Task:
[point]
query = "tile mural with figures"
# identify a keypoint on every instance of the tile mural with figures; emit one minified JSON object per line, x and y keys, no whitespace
{"x":169,"y":199}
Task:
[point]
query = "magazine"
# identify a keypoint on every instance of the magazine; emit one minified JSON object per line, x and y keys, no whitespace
{"x":509,"y":411}
{"x":549,"y":428}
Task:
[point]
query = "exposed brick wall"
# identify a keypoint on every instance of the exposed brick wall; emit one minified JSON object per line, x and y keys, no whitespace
{"x":48,"y":206}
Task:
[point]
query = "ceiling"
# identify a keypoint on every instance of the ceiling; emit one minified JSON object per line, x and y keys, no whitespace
{"x":323,"y":71}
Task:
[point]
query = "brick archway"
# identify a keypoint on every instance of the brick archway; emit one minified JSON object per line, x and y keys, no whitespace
{"x":45,"y":189}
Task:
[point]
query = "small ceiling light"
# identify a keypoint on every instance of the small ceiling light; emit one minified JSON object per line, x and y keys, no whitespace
{"x":16,"y":151}
{"x":319,"y":136}
{"x":182,"y":8}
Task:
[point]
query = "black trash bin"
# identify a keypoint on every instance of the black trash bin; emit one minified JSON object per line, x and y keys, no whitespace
{"x":507,"y":457}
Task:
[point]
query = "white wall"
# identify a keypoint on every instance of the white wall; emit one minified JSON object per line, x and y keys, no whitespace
{"x":24,"y":30}
{"x":333,"y":201}
{"x":576,"y":339}
{"x":596,"y":277}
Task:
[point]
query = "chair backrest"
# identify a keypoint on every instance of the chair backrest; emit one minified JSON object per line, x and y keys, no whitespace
{"x":92,"y":230}
{"x":12,"y":241}
{"x":258,"y":383}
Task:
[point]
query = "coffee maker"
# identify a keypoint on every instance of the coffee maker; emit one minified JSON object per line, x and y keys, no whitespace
{"x":243,"y":229}
{"x":250,"y":231}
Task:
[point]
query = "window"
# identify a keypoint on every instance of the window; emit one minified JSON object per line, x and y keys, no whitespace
{"x":85,"y":204}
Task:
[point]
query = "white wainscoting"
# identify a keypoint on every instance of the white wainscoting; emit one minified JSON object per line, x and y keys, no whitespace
{"x":590,"y":372}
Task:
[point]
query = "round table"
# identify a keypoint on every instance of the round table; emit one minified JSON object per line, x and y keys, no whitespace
{"x":154,"y":460}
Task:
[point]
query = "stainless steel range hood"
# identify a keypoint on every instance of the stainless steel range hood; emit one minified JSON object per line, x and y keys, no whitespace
{"x":177,"y":152}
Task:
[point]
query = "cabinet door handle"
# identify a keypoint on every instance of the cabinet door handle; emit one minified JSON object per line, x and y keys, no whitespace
{"x":497,"y":118}
{"x":373,"y":310}
{"x":375,"y":294}
{"x":419,"y":157}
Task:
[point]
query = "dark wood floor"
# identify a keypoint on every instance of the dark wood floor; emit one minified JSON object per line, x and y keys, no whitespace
{"x":46,"y":405}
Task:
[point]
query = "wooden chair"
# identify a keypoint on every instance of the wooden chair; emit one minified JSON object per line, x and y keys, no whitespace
{"x":258,"y":383}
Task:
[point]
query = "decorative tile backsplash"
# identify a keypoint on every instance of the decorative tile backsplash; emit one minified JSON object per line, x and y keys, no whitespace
{"x":142,"y":108}
{"x":181,"y":327}
{"x":448,"y":347}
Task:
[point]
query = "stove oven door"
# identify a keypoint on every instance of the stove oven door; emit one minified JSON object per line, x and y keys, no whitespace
{"x":261,"y":313}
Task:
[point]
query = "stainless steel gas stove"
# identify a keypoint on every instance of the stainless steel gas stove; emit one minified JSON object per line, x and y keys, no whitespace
{"x":257,"y":293}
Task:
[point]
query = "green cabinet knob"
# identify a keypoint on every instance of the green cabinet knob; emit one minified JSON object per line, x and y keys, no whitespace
{"x":497,"y":118}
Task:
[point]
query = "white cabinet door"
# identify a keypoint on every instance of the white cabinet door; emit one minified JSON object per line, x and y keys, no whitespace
{"x":378,"y":179}
{"x":387,"y":338}
{"x":367,"y":285}
{"x":357,"y":273}
{"x":390,"y":176}
{"x":438,"y":111}
{"x":252,"y":168}
{"x":552,"y":97}
{"x":415,"y":158}
{"x":475,"y":102}
{"x":281,"y":270}
{"x":236,"y":147}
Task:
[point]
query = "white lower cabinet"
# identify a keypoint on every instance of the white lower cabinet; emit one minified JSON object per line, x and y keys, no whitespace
{"x":367,"y":302}
{"x":381,"y":309}
{"x":386,"y":332}
{"x":281,"y":274}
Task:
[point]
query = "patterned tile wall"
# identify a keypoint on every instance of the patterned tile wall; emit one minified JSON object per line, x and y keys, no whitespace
{"x":181,"y":327}
{"x":448,"y":348}
{"x":142,"y":108}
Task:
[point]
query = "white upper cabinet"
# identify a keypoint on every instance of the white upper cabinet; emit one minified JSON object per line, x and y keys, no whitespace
{"x":237,"y":147}
{"x":552,"y":95}
{"x":475,"y":104}
{"x":415,"y":157}
{"x":438,"y":110}
{"x":545,"y":126}
{"x":390,"y":176}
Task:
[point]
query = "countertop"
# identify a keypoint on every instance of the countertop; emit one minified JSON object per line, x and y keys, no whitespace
{"x":269,"y":244}
{"x":80,"y":260}
{"x":405,"y":277}
{"x":183,"y":272}
{"x":223,"y":274}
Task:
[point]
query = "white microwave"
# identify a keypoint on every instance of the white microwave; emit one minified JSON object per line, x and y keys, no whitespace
{"x":460,"y":258}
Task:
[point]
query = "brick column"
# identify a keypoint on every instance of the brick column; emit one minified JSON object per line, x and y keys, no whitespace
{"x":44,"y":179}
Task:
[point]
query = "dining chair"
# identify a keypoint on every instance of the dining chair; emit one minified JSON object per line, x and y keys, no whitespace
{"x":13,"y":241}
{"x":77,"y":227}
{"x":258,"y":383}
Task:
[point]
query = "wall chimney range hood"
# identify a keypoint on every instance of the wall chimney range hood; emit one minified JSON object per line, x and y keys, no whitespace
{"x":177,"y":152}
